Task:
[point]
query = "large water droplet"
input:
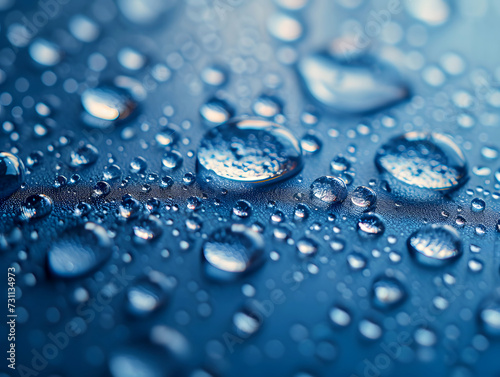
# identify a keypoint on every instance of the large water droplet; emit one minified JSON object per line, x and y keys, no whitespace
{"x":435,"y":244}
{"x":79,"y":250}
{"x":249,"y":150}
{"x":348,"y":87}
{"x":230,"y":252}
{"x":429,"y":161}
{"x":11,"y":174}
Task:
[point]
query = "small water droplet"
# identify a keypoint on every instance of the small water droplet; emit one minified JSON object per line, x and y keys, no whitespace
{"x":172,"y":159}
{"x":387,"y":292}
{"x":478,"y":205}
{"x":371,"y":225}
{"x":107,"y":103}
{"x":329,"y":189}
{"x":148,"y":294}
{"x":363,"y":197}
{"x":147,"y":229}
{"x":35,"y":207}
{"x":83,"y":156}
{"x":230,"y":252}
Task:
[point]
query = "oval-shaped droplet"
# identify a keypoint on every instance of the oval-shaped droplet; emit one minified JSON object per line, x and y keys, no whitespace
{"x":231,"y":252}
{"x":348,"y":87}
{"x":249,"y":151}
{"x":11,"y":174}
{"x":79,"y":251}
{"x":329,"y":189}
{"x":429,"y":161}
{"x":107,"y":103}
{"x":435,"y":244}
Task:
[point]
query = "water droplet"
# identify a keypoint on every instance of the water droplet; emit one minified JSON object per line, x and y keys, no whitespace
{"x":107,"y":103}
{"x":36,"y":206}
{"x":147,"y":229}
{"x":78,"y":251}
{"x":425,"y":337}
{"x":249,"y":150}
{"x":216,"y":111}
{"x":148,"y":294}
{"x":247,"y":321}
{"x":301,"y":212}
{"x":101,"y":189}
{"x":478,"y":205}
{"x":329,"y":189}
{"x":166,"y":137}
{"x":242,"y":209}
{"x":172,"y":159}
{"x":144,"y":12}
{"x":267,"y":106}
{"x":340,"y":316}
{"x":44,"y":52}
{"x":285,"y":27}
{"x":387,"y":292}
{"x":356,"y":261}
{"x":490,"y":317}
{"x":432,"y":12}
{"x":83,"y":156}
{"x":112,"y":173}
{"x":230,"y":252}
{"x":370,"y":329}
{"x":363,"y":197}
{"x":435,"y":244}
{"x":310,"y":144}
{"x":475,"y":265}
{"x":82,"y":209}
{"x":130,"y":207}
{"x":424,"y":160}
{"x":11,"y":174}
{"x":340,"y":164}
{"x":214,"y":75}
{"x":371,"y":225}
{"x":138,"y":165}
{"x":307,"y":246}
{"x":193,"y":203}
{"x":350,"y":88}
{"x":337,"y":244}
{"x":167,"y":182}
